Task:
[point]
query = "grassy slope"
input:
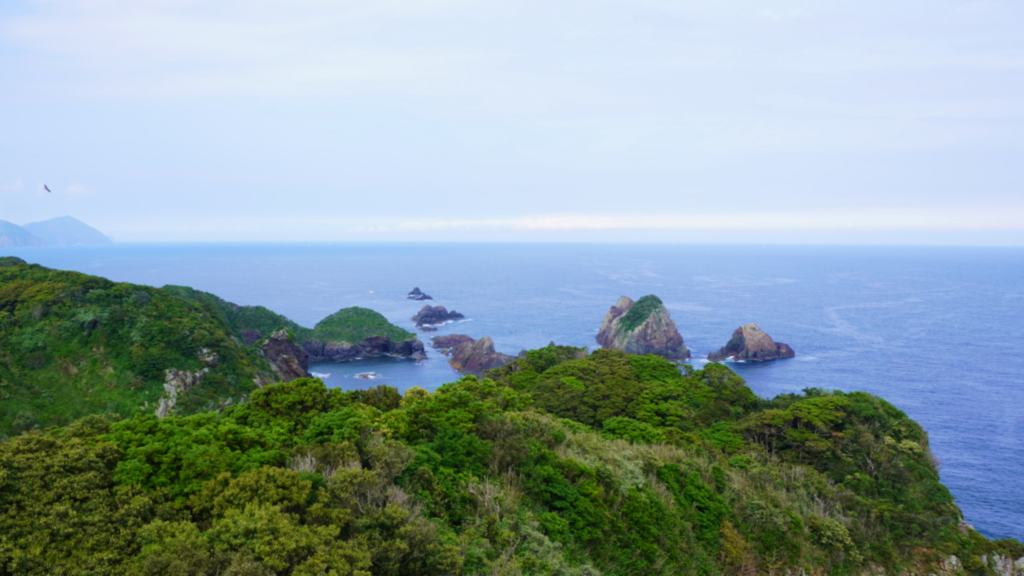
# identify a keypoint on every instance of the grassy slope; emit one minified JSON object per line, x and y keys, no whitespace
{"x":611,"y":464}
{"x":73,"y":344}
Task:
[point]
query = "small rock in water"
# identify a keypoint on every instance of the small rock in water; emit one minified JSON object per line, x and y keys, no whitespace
{"x":417,"y":295}
{"x":435,"y":315}
{"x":368,"y":375}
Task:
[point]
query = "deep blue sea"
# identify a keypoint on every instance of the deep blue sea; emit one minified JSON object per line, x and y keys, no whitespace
{"x":939,"y":332}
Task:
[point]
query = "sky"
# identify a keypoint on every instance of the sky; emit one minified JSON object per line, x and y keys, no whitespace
{"x":815,"y":121}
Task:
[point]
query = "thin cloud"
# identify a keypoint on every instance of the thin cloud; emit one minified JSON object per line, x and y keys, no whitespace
{"x":77,"y":189}
{"x":11,"y":186}
{"x":875,"y":220}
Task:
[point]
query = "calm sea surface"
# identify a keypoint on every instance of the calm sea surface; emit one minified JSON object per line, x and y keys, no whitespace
{"x":939,"y":332}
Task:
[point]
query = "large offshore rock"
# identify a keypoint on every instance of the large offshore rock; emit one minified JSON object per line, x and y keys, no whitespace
{"x":750,"y":344}
{"x":435,"y":315}
{"x":473,"y":357}
{"x":642,"y":327}
{"x":448,"y":344}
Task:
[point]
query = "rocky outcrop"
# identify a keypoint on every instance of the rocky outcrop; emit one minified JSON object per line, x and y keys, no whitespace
{"x":435,"y":315}
{"x":417,"y":295}
{"x":1004,"y":566}
{"x":177,"y":382}
{"x":642,"y":327}
{"x":370,"y":347}
{"x":448,"y":344}
{"x":473,"y":357}
{"x":287,"y":358}
{"x":750,"y":344}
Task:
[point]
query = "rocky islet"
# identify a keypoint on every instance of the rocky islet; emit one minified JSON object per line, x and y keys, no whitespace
{"x":430,"y":315}
{"x":751,"y":344}
{"x":417,"y":294}
{"x":642,"y":327}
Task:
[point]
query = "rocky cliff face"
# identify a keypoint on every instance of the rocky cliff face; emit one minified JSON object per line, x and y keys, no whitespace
{"x":435,"y":315}
{"x":473,"y":357}
{"x":750,"y":344}
{"x":370,"y":347}
{"x":642,"y":327}
{"x":287,"y":358}
{"x":177,"y":382}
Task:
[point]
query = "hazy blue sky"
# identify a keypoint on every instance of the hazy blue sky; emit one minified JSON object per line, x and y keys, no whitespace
{"x":817,"y":120}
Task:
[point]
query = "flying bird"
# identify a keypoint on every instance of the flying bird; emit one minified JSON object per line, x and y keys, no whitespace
{"x":47,"y":188}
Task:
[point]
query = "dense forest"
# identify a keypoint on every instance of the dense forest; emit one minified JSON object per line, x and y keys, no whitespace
{"x":72,"y":345}
{"x":560,"y":463}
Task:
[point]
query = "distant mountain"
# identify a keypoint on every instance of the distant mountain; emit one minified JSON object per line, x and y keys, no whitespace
{"x":12,"y":235}
{"x":66,"y":231}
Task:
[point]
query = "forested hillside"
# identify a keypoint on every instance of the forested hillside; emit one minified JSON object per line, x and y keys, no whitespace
{"x":73,"y":345}
{"x":554,"y":464}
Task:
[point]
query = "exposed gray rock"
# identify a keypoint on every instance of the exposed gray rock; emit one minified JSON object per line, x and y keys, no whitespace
{"x":750,"y":344}
{"x":642,"y":327}
{"x":447,"y":344}
{"x":475,"y":357}
{"x":435,"y":315}
{"x":177,"y":382}
{"x":287,"y":358}
{"x":417,"y":295}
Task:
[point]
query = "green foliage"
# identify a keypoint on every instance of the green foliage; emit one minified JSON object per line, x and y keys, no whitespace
{"x":603,"y":464}
{"x":355,"y":324}
{"x":73,"y":345}
{"x":243,"y":320}
{"x":6,"y":261}
{"x":639,"y":312}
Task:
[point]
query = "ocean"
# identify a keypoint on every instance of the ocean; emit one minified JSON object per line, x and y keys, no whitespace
{"x":937,"y":331}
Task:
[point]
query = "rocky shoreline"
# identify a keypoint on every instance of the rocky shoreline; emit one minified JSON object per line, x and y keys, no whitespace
{"x":371,"y":347}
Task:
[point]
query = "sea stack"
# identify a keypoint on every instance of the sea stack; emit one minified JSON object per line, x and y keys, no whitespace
{"x":642,"y":327}
{"x":749,"y":343}
{"x":435,"y":315}
{"x":472,"y":357}
{"x":416,"y":294}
